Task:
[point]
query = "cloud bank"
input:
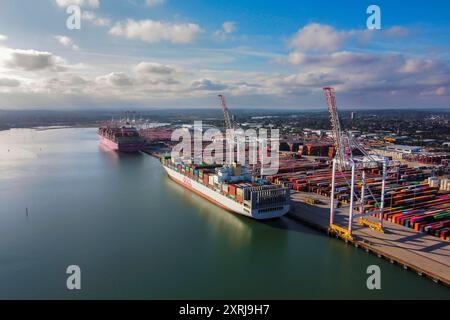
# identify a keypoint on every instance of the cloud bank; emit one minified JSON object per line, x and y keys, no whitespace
{"x":152,"y":31}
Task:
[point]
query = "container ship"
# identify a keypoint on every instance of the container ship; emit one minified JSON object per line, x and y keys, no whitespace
{"x":121,"y":139}
{"x":231,"y":188}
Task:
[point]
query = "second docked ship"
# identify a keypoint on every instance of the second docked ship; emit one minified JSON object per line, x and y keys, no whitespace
{"x":121,"y":138}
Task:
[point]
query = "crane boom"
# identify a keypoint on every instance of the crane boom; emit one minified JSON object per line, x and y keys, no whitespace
{"x":345,"y":144}
{"x":226,"y":114}
{"x":338,"y":138}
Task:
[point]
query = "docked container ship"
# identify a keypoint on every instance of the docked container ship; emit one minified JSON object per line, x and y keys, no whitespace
{"x":231,"y":188}
{"x":122,"y":139}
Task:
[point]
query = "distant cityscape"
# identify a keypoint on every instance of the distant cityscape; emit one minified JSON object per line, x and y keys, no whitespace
{"x":415,"y":127}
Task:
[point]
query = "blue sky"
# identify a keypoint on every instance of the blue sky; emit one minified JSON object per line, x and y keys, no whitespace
{"x":182,"y":53}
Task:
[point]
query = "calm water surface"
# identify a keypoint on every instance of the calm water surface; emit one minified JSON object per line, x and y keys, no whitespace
{"x":136,"y":234}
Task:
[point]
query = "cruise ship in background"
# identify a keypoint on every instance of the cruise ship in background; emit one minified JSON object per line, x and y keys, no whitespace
{"x":231,"y":187}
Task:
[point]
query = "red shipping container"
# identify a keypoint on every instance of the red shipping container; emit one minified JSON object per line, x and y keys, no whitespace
{"x":232,"y":190}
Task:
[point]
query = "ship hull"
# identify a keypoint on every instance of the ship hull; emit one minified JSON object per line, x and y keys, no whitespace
{"x":129,"y":148}
{"x":222,"y":200}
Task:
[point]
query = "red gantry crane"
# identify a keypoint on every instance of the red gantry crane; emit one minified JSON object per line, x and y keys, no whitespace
{"x":226,"y":114}
{"x":344,"y":160}
{"x":339,"y":139}
{"x":229,"y":129}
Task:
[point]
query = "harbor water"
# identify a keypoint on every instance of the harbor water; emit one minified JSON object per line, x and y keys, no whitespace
{"x":135,"y":234}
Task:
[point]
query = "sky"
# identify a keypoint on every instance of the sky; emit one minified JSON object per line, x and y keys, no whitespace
{"x":146,"y":54}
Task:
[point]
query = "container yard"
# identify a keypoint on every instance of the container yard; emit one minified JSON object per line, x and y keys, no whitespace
{"x":410,"y":199}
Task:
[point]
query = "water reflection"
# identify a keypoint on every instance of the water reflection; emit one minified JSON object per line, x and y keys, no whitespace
{"x":109,"y":155}
{"x":15,"y":158}
{"x":236,"y":229}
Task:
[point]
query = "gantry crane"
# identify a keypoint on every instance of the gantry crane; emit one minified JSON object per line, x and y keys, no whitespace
{"x":343,"y":161}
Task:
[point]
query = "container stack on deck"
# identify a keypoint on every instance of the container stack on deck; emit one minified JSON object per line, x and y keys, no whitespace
{"x":156,"y":134}
{"x":260,"y":192}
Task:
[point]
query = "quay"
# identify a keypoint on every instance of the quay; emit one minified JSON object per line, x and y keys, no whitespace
{"x":424,"y":254}
{"x":157,"y":153}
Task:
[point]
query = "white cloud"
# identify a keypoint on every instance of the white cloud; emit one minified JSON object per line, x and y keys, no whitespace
{"x":154,"y":68}
{"x":373,"y":73}
{"x":417,"y":65}
{"x":229,"y":27}
{"x":118,"y":79}
{"x":153,"y":31}
{"x":32,"y":60}
{"x":147,"y":82}
{"x":3,"y":37}
{"x":441,"y":91}
{"x":313,"y":79}
{"x":81,"y":3}
{"x":335,"y":59}
{"x":207,"y":85}
{"x":7,"y":82}
{"x":297,"y":57}
{"x":152,"y":3}
{"x":95,"y":19}
{"x":397,"y":31}
{"x":72,"y":84}
{"x":318,"y":37}
{"x":67,"y":42}
{"x":359,"y":73}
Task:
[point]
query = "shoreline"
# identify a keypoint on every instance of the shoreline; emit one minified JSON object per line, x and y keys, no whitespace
{"x":45,"y":128}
